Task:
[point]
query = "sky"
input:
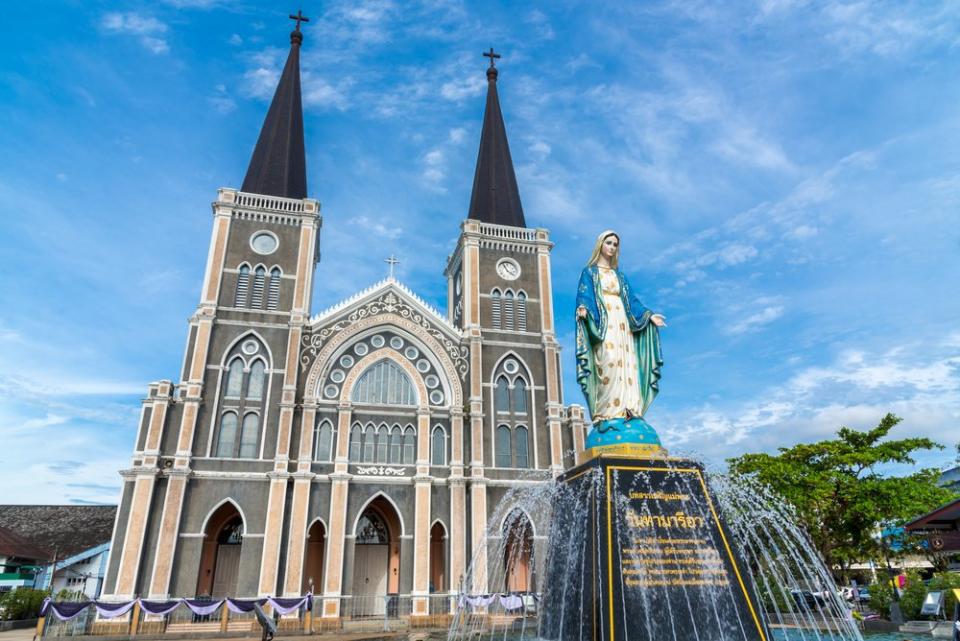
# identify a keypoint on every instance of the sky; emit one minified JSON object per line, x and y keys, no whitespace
{"x":785,"y":177}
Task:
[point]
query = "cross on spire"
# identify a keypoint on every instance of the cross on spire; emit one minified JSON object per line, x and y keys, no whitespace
{"x":300,"y":18}
{"x":492,"y":55}
{"x":393,"y":262}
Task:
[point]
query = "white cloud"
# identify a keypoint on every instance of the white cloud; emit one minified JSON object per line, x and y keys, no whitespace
{"x":462,"y":88}
{"x":377,"y":228}
{"x":147,"y":28}
{"x":235,"y":39}
{"x":458,"y":135}
{"x":756,"y":320}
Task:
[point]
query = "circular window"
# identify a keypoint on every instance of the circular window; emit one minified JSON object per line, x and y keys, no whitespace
{"x":431,"y":381}
{"x":250,"y":347}
{"x":361,"y":349}
{"x":423,"y":365}
{"x":511,"y":366}
{"x":330,"y":391}
{"x":337,"y":376}
{"x":346,"y":360}
{"x":378,"y":341}
{"x":264,"y":242}
{"x":436,"y":397}
{"x":411,"y":352}
{"x":396,"y":342}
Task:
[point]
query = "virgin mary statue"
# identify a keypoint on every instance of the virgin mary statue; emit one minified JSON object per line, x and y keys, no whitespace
{"x":618,"y":350}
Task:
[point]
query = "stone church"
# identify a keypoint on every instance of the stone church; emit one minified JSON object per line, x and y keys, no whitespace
{"x":360,"y":451}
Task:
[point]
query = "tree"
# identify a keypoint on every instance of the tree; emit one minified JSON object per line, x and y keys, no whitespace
{"x":840,"y":496}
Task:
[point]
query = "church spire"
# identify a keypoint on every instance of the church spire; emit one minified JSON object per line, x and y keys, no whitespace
{"x":495,"y":198}
{"x":278,"y":166}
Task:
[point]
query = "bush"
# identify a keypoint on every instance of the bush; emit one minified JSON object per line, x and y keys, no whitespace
{"x":946,"y":581}
{"x":22,"y":603}
{"x":912,"y":596}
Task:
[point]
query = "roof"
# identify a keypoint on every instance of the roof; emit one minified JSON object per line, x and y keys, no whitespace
{"x":945,"y":517}
{"x":12,"y":544}
{"x":496,"y":197}
{"x":69,"y":529}
{"x":278,"y":166}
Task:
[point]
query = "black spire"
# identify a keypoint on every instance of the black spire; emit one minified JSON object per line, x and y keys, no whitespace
{"x":278,"y":166}
{"x":495,"y":198}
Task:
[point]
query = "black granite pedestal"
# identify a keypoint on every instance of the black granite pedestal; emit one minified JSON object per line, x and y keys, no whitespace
{"x":638,"y":551}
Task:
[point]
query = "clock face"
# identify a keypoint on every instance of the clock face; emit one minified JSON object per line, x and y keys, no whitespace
{"x":508,"y":269}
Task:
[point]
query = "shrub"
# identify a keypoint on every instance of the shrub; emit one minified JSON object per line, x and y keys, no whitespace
{"x":22,"y":603}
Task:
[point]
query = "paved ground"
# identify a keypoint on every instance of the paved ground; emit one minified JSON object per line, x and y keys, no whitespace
{"x":26,"y":634}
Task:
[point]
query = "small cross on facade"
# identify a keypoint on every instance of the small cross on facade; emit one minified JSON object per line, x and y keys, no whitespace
{"x":393,"y":262}
{"x":299,"y":18}
{"x":492,"y":55}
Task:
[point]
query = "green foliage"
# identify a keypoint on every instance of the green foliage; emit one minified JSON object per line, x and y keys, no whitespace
{"x":840,"y":497}
{"x":912,"y":596}
{"x":947,"y":581}
{"x":22,"y":603}
{"x":881,"y":594}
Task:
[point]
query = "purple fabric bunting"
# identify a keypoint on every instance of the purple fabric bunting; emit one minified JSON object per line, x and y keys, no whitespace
{"x":286,"y":606}
{"x":242,"y":606}
{"x":511,"y":602}
{"x":160,"y":608}
{"x":112,"y":610}
{"x":201,"y":607}
{"x":66,"y":610}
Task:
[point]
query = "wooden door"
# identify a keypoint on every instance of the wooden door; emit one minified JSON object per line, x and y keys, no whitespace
{"x":370,"y":569}
{"x":227,"y":571}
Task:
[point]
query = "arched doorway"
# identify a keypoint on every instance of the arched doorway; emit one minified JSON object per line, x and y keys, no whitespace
{"x":220,"y":558}
{"x":313,"y":567}
{"x":518,"y":553}
{"x":438,"y":558}
{"x":376,"y":559}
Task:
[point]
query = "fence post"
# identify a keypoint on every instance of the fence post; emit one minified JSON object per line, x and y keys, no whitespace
{"x":40,"y":621}
{"x":135,"y":619}
{"x":308,"y":618}
{"x":224,"y":616}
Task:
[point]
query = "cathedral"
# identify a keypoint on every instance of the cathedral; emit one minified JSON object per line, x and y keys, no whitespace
{"x":360,"y":451}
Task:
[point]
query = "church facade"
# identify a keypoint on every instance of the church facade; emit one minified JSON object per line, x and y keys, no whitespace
{"x":361,"y":451}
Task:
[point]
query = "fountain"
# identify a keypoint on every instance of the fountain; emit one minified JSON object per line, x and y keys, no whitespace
{"x":641,"y":545}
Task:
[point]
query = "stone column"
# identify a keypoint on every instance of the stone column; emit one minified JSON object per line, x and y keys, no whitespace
{"x":340,"y":479}
{"x":300,"y":504}
{"x":458,"y":502}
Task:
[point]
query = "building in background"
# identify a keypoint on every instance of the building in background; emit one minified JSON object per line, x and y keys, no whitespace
{"x":56,"y":547}
{"x":360,"y":452}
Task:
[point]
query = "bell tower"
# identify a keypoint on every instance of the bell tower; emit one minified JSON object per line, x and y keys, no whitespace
{"x":500,"y":295}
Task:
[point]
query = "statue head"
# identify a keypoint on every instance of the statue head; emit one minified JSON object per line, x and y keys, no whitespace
{"x":608,"y":244}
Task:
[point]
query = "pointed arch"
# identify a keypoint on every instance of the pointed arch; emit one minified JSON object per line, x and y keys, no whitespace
{"x":443,"y":525}
{"x":505,"y":521}
{"x":213,"y":510}
{"x":374,"y":357}
{"x":243,"y":285}
{"x":495,"y":307}
{"x":366,"y":504}
{"x":243,"y":336}
{"x":273,"y":289}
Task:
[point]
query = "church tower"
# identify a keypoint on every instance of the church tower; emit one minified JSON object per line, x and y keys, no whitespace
{"x":233,"y":411}
{"x":500,"y":295}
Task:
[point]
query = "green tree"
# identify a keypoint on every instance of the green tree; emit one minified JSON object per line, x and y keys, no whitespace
{"x":22,"y":603}
{"x":841,"y":497}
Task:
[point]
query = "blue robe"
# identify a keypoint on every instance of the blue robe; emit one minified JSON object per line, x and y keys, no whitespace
{"x":593,"y":329}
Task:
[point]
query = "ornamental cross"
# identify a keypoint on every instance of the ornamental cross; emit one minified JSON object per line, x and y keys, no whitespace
{"x":393,"y":262}
{"x":299,"y":18}
{"x":490,"y":54}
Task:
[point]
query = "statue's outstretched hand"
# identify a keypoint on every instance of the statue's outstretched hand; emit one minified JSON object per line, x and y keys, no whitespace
{"x":581,"y":312}
{"x":658,"y":320}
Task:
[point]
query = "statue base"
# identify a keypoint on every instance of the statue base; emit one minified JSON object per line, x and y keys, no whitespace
{"x":630,"y":437}
{"x":639,"y":551}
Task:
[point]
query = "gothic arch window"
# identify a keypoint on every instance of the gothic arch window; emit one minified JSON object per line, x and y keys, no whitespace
{"x":521,"y":456}
{"x":234,"y":378}
{"x":322,"y":441}
{"x":249,"y":436}
{"x":519,"y":396}
{"x":255,"y":382}
{"x":384,"y":383}
{"x":508,"y":310}
{"x":256,"y":299}
{"x":243,"y":286}
{"x":438,"y":447}
{"x":383,"y":443}
{"x":356,"y":443}
{"x":273,"y":292}
{"x":396,"y":445}
{"x":371,"y":530}
{"x":521,"y":311}
{"x":369,"y":444}
{"x":409,"y":445}
{"x":495,"y":308}
{"x":501,"y":395}
{"x":227,"y":438}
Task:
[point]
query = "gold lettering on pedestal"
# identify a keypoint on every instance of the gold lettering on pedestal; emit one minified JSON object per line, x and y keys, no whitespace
{"x":672,"y":562}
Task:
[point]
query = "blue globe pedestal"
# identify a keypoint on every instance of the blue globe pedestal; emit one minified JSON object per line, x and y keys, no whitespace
{"x":623,"y":437}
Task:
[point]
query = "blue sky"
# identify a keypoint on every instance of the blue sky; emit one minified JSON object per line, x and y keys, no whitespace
{"x":785,"y":176}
